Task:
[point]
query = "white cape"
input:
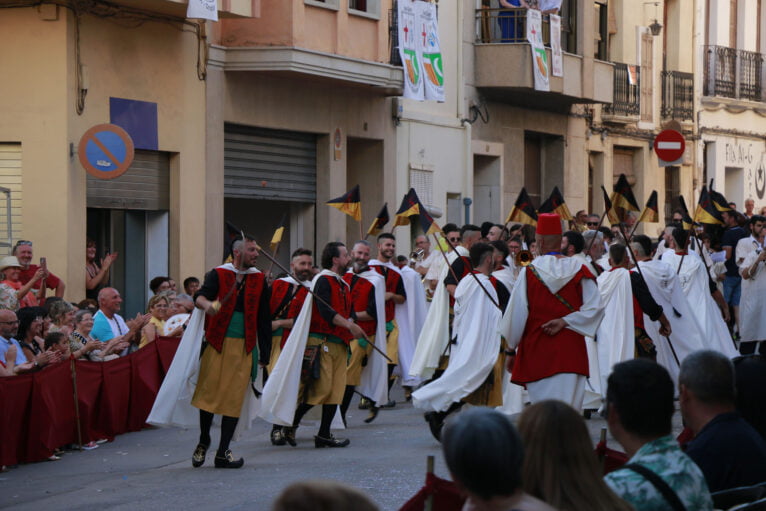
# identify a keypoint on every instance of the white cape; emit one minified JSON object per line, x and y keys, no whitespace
{"x":476,"y":351}
{"x":593,"y":392}
{"x":686,"y":335}
{"x":434,"y":336}
{"x":410,"y":317}
{"x":280,"y":394}
{"x":616,"y":335}
{"x":374,"y":382}
{"x":752,"y":318}
{"x":694,"y":282}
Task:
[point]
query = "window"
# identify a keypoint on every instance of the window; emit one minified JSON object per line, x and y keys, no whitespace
{"x":365,"y":8}
{"x":325,"y":4}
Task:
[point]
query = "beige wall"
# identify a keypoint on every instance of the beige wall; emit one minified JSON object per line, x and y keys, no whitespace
{"x":313,"y":27}
{"x":150,"y":63}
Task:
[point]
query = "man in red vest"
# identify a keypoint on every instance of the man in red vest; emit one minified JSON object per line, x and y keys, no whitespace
{"x":235,"y":298}
{"x":554,"y":304}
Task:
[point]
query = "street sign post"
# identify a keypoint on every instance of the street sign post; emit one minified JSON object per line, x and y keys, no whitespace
{"x":669,"y":146}
{"x":106,"y":151}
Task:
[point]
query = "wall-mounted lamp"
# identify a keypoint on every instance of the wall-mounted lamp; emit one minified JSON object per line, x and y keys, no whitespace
{"x":655,"y":27}
{"x":604,"y":134}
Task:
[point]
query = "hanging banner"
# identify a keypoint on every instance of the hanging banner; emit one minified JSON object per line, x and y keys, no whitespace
{"x":409,"y":50}
{"x":557,"y":60}
{"x":433,"y":76}
{"x":540,"y":66}
{"x":203,"y":9}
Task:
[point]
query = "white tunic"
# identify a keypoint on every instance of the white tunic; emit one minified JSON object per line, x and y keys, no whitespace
{"x":616,"y":334}
{"x":752,"y":306}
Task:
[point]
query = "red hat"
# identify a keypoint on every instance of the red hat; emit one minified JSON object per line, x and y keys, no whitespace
{"x":548,"y":223}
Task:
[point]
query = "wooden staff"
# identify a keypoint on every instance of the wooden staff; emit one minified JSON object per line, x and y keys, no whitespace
{"x":76,"y":403}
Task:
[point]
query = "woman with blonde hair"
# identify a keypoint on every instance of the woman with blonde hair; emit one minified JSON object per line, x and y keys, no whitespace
{"x":560,"y":465}
{"x":61,"y":313}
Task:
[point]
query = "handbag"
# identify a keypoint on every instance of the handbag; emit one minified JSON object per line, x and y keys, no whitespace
{"x":310,"y":367}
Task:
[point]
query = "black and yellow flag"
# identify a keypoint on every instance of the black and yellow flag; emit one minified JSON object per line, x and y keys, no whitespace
{"x":348,"y":203}
{"x":718,"y":200}
{"x":623,"y":195}
{"x":651,"y":212}
{"x":523,"y":211}
{"x":687,"y":221}
{"x":707,"y":212}
{"x":410,"y":206}
{"x":611,"y":214}
{"x":427,"y":223}
{"x":380,"y":221}
{"x":555,"y":204}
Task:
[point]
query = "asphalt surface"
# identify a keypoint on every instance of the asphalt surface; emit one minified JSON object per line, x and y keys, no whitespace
{"x":151,"y":469}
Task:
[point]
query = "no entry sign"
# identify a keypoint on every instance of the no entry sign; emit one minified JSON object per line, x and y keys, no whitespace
{"x":669,"y":146}
{"x":106,"y":151}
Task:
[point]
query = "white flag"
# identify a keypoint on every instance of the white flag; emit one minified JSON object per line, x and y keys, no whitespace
{"x":540,"y":67}
{"x":409,"y":50}
{"x":557,"y":59}
{"x":202,"y":9}
{"x":430,"y":52}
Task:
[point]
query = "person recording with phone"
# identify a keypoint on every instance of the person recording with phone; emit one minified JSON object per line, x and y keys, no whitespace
{"x":23,"y":252}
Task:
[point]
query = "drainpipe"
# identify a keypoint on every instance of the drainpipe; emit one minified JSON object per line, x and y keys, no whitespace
{"x":467,"y":201}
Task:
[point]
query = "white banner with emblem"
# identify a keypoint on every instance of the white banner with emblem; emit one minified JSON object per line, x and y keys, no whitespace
{"x":557,"y":60}
{"x":409,"y":51}
{"x":540,"y":65}
{"x":431,"y":53}
{"x":203,"y":9}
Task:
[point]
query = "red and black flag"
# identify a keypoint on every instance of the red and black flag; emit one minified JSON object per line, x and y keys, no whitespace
{"x":427,"y":223}
{"x":410,"y":206}
{"x":380,"y":221}
{"x":651,"y":212}
{"x":687,"y":221}
{"x":348,"y":203}
{"x":555,"y":204}
{"x":523,"y":211}
{"x":623,"y":195}
{"x":707,"y":212}
{"x":611,"y":214}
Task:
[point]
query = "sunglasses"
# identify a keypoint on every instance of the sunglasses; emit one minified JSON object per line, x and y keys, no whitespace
{"x":23,"y":242}
{"x":591,"y":223}
{"x":454,"y":239}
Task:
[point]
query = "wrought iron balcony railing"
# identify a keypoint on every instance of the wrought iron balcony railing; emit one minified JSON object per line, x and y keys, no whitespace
{"x":627,"y":91}
{"x":677,"y":95}
{"x":507,"y":26}
{"x":733,"y":73}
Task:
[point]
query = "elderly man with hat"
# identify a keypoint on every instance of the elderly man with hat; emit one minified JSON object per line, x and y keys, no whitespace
{"x":554,"y":305}
{"x":23,"y":297}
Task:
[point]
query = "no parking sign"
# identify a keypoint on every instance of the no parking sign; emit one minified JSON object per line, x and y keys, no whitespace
{"x":106,"y":151}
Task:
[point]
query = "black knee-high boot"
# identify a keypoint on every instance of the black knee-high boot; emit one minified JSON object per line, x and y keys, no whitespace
{"x":302,"y":409}
{"x":346,"y":402}
{"x":391,"y":380}
{"x":205,"y":421}
{"x":228,"y":425}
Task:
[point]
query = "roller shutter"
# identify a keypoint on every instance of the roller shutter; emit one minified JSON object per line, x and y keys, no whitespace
{"x":269,"y":164}
{"x":144,"y":186}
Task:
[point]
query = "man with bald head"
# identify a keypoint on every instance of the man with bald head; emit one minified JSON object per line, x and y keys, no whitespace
{"x":108,"y":325}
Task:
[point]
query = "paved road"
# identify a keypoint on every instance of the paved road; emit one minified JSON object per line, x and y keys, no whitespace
{"x":151,"y":469}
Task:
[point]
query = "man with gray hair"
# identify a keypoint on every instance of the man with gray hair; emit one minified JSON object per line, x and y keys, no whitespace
{"x":593,"y":251}
{"x":727,"y":449}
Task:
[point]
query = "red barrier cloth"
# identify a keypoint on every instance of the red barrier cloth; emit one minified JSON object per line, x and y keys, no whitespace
{"x":612,"y":459}
{"x":145,"y":379}
{"x":115,"y":396}
{"x":15,"y":399}
{"x":89,"y":382}
{"x":52,"y":418}
{"x":166,"y":347}
{"x":446,"y":496}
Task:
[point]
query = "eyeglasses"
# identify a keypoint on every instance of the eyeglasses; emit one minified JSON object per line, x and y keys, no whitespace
{"x":591,"y":223}
{"x":23,"y":242}
{"x":16,"y":322}
{"x":454,"y":239}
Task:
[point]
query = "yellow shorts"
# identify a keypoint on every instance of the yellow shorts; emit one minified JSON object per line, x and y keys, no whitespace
{"x":224,"y":378}
{"x":392,"y":345}
{"x":276,"y":349}
{"x":354,"y":368}
{"x":331,"y":385}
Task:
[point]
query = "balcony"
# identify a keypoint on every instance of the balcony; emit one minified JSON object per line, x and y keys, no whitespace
{"x":627,"y":93}
{"x":677,"y":95}
{"x":503,"y":65}
{"x":226,"y":8}
{"x":732,"y":73}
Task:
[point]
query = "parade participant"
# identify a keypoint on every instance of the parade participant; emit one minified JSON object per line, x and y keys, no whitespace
{"x":461,"y":266}
{"x":661,"y":279}
{"x":235,"y":299}
{"x":451,"y":236}
{"x":514,"y":247}
{"x":395,"y":294}
{"x":593,"y":251}
{"x":626,"y":299}
{"x":753,"y":319}
{"x":554,"y":304}
{"x":410,"y":316}
{"x":368,"y":291}
{"x":699,"y":290}
{"x":434,"y":336}
{"x":752,"y":243}
{"x":425,"y":256}
{"x":311,"y":369}
{"x":287,"y":295}
{"x":474,"y":374}
{"x":500,"y":271}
